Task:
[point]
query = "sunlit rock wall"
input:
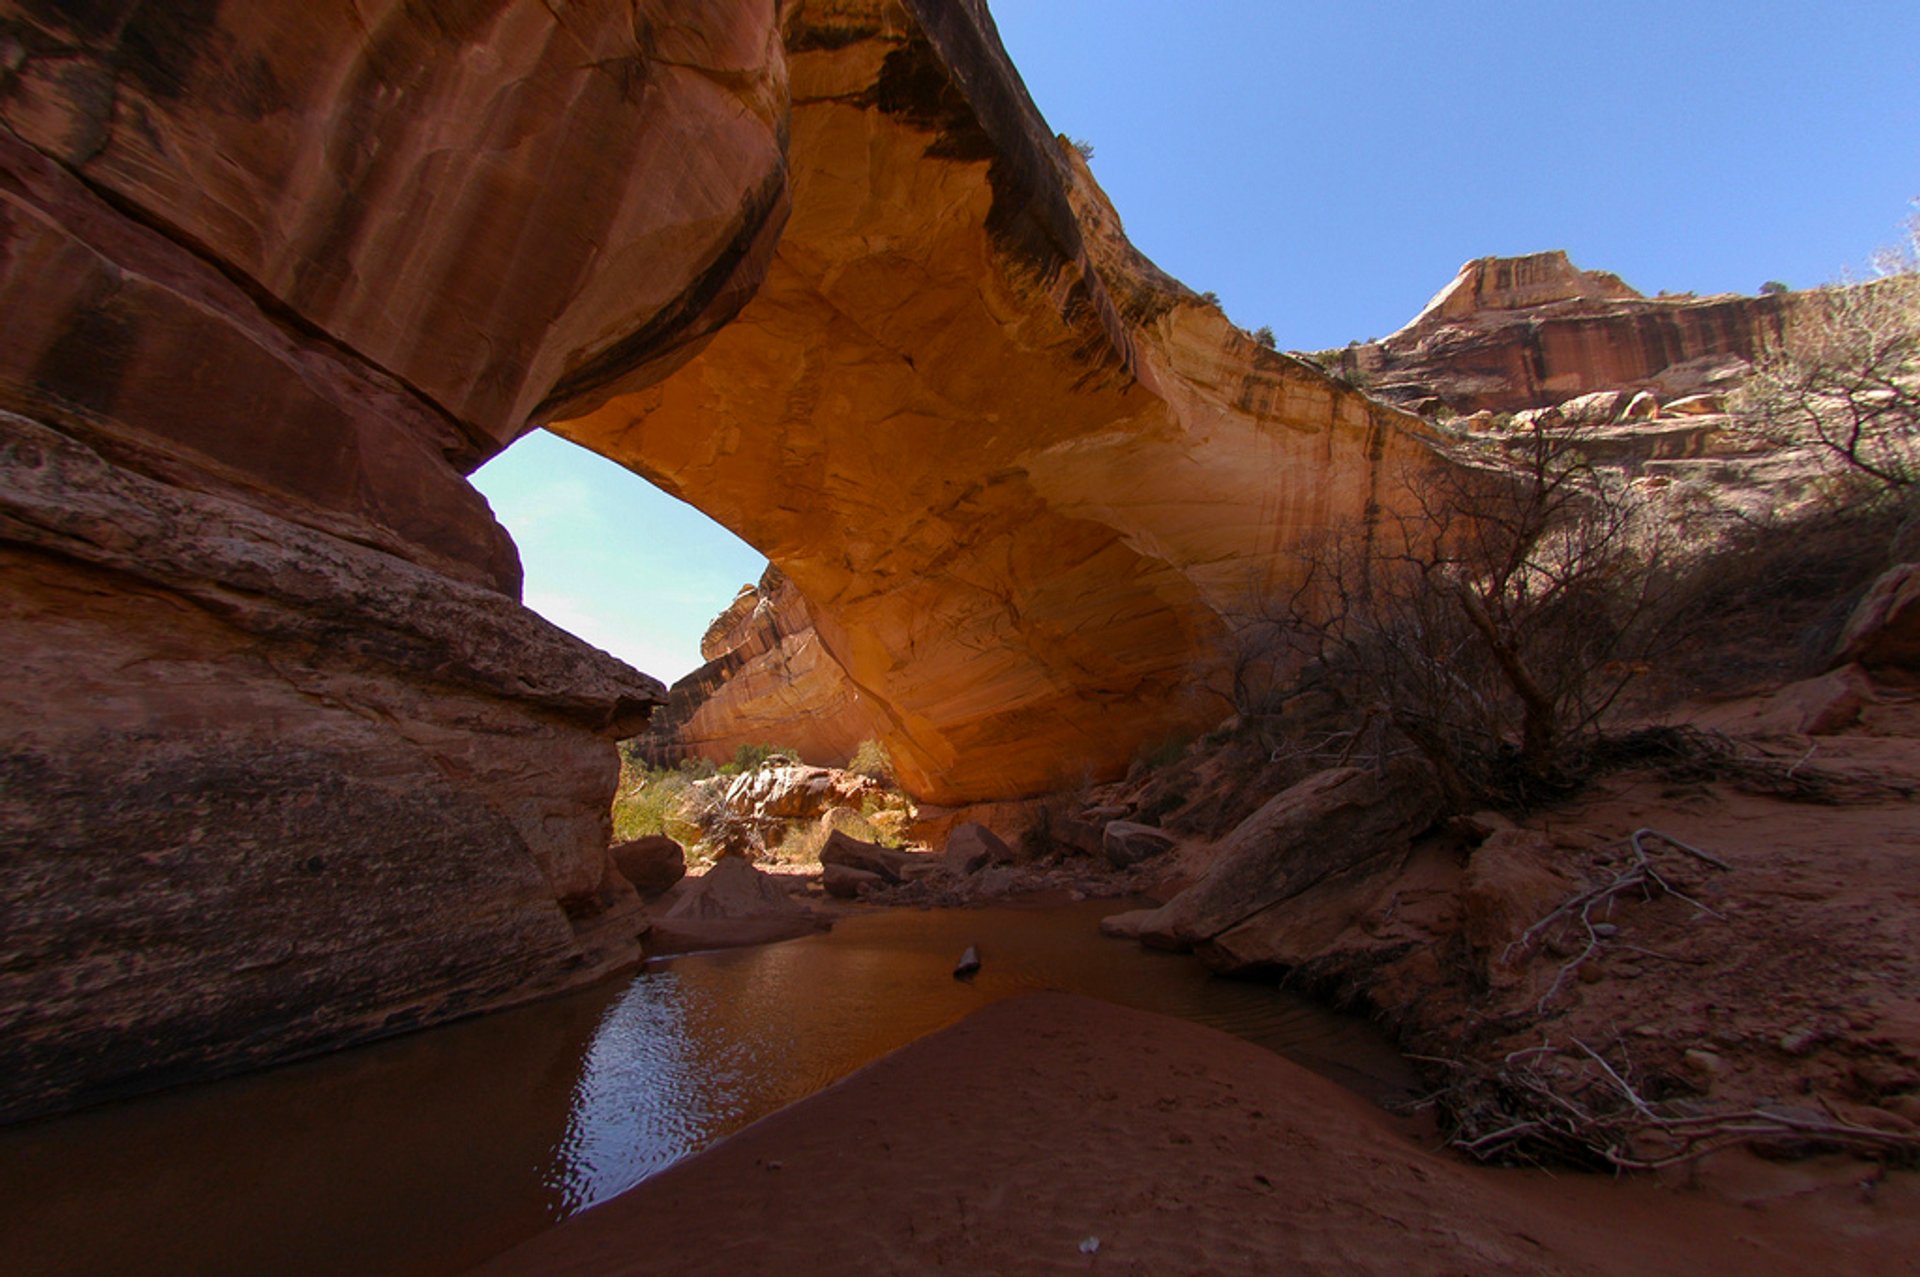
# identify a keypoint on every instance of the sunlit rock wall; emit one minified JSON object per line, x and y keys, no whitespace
{"x":1021,"y":477}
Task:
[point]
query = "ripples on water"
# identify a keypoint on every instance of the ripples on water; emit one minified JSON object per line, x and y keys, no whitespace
{"x":428,"y":1153}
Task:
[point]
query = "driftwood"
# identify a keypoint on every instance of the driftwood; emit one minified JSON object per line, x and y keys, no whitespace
{"x":1641,"y":875}
{"x":1516,"y":1111}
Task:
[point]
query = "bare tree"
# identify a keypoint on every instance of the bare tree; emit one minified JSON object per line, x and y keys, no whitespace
{"x":1489,"y":624}
{"x":1848,"y":375}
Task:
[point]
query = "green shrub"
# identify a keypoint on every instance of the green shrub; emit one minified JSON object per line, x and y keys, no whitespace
{"x":646,"y":801}
{"x":751,"y":758}
{"x":871,"y":759}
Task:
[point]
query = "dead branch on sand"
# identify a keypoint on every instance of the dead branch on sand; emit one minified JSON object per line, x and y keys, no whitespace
{"x":1641,"y":875}
{"x":1545,"y":1103}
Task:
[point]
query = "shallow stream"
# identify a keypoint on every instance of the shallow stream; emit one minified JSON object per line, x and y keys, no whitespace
{"x":428,"y":1153}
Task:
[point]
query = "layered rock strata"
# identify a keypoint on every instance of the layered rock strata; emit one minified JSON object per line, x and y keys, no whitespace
{"x":286,"y":764}
{"x":767,"y":680}
{"x":1525,"y":332}
{"x":1022,"y":478}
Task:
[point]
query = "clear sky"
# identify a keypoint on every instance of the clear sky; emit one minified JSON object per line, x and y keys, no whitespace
{"x":1326,"y":167}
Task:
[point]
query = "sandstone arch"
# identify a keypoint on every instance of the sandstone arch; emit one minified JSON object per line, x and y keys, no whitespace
{"x":286,"y":764}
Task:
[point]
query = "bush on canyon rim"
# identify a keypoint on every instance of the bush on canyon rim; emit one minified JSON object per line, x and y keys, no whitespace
{"x":1849,"y":378}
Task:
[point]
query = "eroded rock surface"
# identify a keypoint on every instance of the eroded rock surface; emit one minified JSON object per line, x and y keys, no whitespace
{"x":1510,"y":333}
{"x":1019,"y":475}
{"x":286,"y":765}
{"x":767,"y":680}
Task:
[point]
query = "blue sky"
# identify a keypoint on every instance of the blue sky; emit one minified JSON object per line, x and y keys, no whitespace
{"x":1325,"y":168}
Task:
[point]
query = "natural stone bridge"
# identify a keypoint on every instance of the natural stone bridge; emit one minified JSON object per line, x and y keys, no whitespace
{"x":286,"y":765}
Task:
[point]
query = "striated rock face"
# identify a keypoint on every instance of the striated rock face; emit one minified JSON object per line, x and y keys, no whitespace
{"x":768,"y":680}
{"x":1019,"y":476}
{"x":1524,"y":332}
{"x":285,"y":764}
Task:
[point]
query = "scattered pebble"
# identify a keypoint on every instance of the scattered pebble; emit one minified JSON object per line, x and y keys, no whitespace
{"x":1089,"y":1245}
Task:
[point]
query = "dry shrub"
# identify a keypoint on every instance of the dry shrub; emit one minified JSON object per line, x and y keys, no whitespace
{"x":1488,"y":622}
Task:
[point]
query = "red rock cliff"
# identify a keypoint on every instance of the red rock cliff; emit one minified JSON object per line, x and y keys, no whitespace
{"x":285,"y":763}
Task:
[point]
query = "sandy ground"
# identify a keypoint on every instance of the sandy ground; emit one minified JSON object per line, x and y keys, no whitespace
{"x":1055,"y":1133}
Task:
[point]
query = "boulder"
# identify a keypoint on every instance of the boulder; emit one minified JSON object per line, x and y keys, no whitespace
{"x":1884,"y":631}
{"x":1509,"y":885}
{"x":1708,"y":405}
{"x":652,"y":863}
{"x":846,"y":882}
{"x":1126,"y":843}
{"x":1594,"y":409}
{"x":973,"y":846}
{"x":841,"y":848}
{"x":733,"y":889}
{"x":1644,"y":406}
{"x":732,"y":904}
{"x":1327,"y":823}
{"x":795,"y":792}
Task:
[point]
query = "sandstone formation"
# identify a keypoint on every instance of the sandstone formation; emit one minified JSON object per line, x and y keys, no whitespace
{"x":1525,"y":332}
{"x":767,"y":680}
{"x":1346,"y":822}
{"x":1020,"y":476}
{"x":286,"y":764}
{"x":652,"y":863}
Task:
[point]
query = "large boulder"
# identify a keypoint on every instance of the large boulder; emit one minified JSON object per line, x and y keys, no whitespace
{"x":972,"y":846}
{"x":732,"y":904}
{"x":795,"y":792}
{"x":1884,"y":631}
{"x":1328,"y":824}
{"x":652,"y":863}
{"x":844,"y":882}
{"x":1127,"y":843}
{"x":890,"y":866}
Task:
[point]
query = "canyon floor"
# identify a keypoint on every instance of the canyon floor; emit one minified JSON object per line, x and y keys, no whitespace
{"x":1060,"y":1134}
{"x":1772,"y":977}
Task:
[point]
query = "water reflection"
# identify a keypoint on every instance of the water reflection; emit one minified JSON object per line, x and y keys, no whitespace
{"x":697,"y":1047}
{"x":428,"y":1153}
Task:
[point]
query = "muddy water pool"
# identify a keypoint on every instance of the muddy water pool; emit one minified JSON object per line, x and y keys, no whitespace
{"x":426,"y":1154}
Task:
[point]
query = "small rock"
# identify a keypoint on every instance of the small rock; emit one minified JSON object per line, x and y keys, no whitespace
{"x":997,"y":881}
{"x":1089,"y":1245}
{"x":1704,"y":1063}
{"x":1800,"y":1041}
{"x":969,"y":964}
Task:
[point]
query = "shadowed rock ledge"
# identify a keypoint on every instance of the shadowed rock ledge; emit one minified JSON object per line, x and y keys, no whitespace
{"x":287,"y":766}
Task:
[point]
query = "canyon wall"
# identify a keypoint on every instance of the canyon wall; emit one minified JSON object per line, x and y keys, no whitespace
{"x":286,"y":765}
{"x":766,"y":680}
{"x":1510,"y":333}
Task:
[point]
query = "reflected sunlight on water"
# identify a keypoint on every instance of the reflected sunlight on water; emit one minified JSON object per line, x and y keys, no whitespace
{"x":425,"y":1154}
{"x":699,"y":1046}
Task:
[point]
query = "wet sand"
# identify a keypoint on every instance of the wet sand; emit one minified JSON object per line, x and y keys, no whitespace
{"x":1055,"y":1133}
